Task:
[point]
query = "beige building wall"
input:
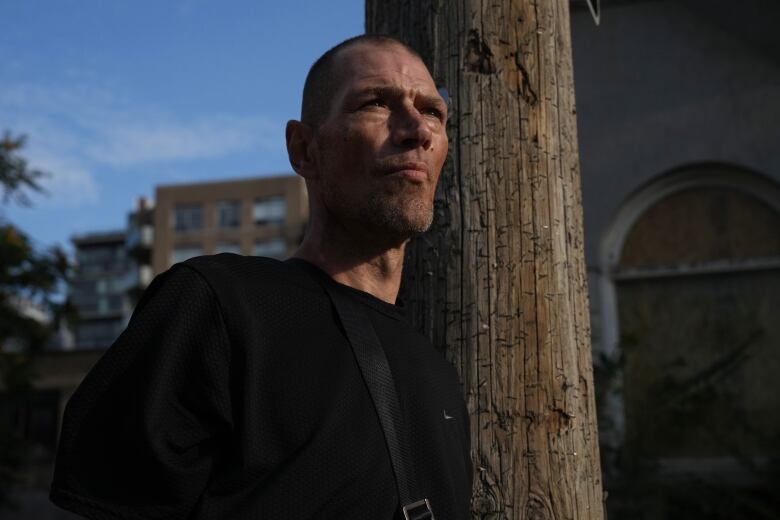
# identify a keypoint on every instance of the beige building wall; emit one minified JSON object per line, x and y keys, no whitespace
{"x":247,"y":192}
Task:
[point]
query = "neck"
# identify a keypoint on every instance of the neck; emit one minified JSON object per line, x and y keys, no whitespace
{"x":355,"y":259}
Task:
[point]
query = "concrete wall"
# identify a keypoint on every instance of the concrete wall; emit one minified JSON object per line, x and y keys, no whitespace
{"x":661,"y":85}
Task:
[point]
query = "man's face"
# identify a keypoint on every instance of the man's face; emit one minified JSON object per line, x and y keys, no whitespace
{"x":382,"y":146}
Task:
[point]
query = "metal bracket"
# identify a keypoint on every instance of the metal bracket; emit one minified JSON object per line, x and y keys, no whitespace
{"x":595,"y":11}
{"x":420,"y":510}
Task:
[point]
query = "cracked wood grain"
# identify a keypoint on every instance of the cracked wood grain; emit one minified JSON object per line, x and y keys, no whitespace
{"x":499,"y":282}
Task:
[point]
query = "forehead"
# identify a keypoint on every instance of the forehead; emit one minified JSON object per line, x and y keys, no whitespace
{"x":369,"y":64}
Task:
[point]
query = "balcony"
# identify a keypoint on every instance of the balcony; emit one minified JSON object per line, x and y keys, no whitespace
{"x":139,"y":238}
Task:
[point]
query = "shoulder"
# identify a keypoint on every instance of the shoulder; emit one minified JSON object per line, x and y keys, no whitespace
{"x":251,"y":288}
{"x":238,"y":273}
{"x":227,"y":265}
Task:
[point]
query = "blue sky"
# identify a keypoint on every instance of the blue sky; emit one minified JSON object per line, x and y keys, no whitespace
{"x":117,"y":96}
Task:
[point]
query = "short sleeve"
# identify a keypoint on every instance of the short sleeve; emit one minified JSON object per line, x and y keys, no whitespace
{"x":141,"y":434}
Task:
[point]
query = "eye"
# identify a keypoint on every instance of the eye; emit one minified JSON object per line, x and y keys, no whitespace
{"x":433,"y":111}
{"x":376,"y":102}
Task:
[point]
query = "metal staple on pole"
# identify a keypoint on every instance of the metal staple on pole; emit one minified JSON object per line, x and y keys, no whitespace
{"x":595,"y":11}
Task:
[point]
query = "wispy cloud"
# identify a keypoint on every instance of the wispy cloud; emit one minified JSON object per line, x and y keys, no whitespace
{"x":77,"y":131}
{"x":69,"y":181}
{"x":69,"y":184}
{"x":158,"y":137}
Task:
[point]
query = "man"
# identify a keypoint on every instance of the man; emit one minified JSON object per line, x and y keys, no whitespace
{"x":234,"y":393}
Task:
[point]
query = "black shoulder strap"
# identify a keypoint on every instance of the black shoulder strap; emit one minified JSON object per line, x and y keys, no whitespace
{"x":376,"y":373}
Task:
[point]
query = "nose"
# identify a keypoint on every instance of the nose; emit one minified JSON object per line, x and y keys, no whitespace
{"x":410,"y":129}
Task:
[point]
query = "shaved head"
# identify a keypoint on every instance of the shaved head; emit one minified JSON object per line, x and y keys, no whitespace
{"x":322,"y":81}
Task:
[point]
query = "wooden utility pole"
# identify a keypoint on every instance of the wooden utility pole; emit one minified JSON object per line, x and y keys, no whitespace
{"x":500,"y":279}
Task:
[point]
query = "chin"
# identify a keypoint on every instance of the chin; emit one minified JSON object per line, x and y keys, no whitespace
{"x":403,"y":224}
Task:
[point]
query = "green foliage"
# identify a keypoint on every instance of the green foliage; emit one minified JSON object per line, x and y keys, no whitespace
{"x":15,"y":176}
{"x":27,"y":277}
{"x":30,"y":275}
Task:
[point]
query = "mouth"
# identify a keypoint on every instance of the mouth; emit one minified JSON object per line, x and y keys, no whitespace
{"x":413,"y":171}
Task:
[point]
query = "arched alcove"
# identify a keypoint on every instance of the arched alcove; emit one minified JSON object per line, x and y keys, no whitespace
{"x":698,"y":299}
{"x":690,"y":294}
{"x":702,"y":224}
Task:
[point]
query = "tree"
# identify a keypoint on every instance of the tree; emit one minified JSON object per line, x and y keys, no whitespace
{"x":27,"y":277}
{"x":15,"y":176}
{"x":500,"y":280}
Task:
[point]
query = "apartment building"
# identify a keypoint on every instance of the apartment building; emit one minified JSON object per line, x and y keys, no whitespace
{"x":111,"y":271}
{"x":255,"y":216}
{"x":98,"y":288}
{"x":138,"y":244}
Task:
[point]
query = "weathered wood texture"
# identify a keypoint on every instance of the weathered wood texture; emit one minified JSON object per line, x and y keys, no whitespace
{"x":500,"y":279}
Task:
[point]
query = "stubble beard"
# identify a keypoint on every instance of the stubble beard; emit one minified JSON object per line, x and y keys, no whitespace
{"x":402,"y":216}
{"x":395,"y":217}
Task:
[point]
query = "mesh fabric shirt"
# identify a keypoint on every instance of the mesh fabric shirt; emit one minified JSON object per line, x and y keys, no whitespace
{"x":233,"y":393}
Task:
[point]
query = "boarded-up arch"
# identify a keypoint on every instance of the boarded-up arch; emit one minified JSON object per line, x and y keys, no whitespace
{"x":697,"y":291}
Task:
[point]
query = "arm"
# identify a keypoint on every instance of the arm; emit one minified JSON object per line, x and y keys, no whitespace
{"x":141,"y":433}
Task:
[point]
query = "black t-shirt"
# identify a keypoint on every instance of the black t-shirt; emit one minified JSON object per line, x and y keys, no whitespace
{"x":234,"y":394}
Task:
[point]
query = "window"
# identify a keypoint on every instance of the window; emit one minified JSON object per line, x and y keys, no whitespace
{"x":116,"y":302}
{"x":83,"y":290}
{"x":229,"y":214}
{"x":188,"y":217}
{"x":100,"y":259}
{"x":97,"y":333}
{"x":227,"y":247}
{"x":275,"y":248}
{"x":271,"y":210}
{"x":182,"y":253}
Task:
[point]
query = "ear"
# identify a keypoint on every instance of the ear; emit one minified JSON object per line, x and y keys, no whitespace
{"x":299,"y":147}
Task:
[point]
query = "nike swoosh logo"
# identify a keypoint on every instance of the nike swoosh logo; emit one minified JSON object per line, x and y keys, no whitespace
{"x":447,"y":416}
